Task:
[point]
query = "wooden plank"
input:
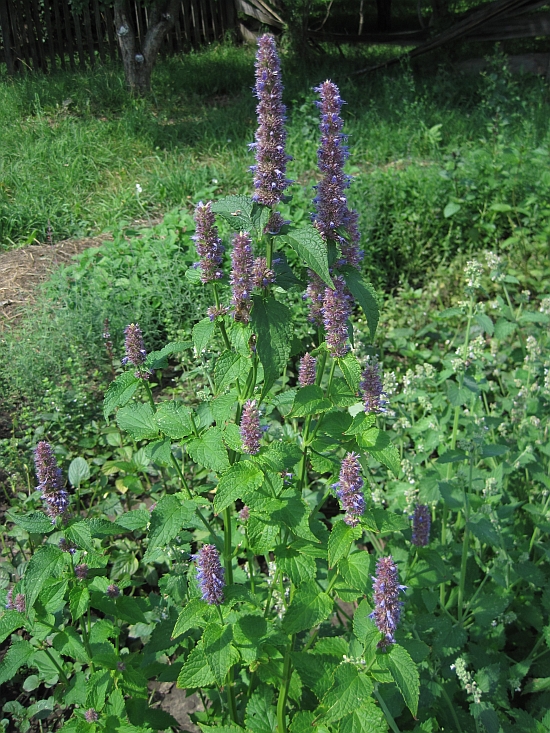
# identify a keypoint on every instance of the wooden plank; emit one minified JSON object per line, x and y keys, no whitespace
{"x":69,"y":32}
{"x":202,"y":10}
{"x":6,"y":38}
{"x":213,"y":26}
{"x":14,"y":16}
{"x":49,"y":33}
{"x":99,"y":31}
{"x":59,"y":34}
{"x":79,"y":43}
{"x":185,"y":14}
{"x":88,"y":31}
{"x":138,"y":25}
{"x":38,"y":33}
{"x":114,"y":50}
{"x":28,"y":26}
{"x":195,"y":23}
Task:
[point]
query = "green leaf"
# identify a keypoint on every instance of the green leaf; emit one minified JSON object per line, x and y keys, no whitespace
{"x":196,"y":671}
{"x":99,"y":684}
{"x":295,"y":565}
{"x":480,"y":526}
{"x":452,"y":456}
{"x":120,"y":392}
{"x":202,"y":333}
{"x":310,"y":400}
{"x":9,"y":622}
{"x":167,"y":519}
{"x":503,"y":329}
{"x":308,"y":608}
{"x":159,"y":360}
{"x":349,"y":690}
{"x":241,"y":479}
{"x":537,"y":684}
{"x":174,"y":420}
{"x":236,"y":210}
{"x":340,"y":540}
{"x":35,"y":522}
{"x":451,"y":209}
{"x":261,"y":715}
{"x":79,"y":598}
{"x":485,"y":322}
{"x":81,"y":534}
{"x":228,"y":368}
{"x":312,"y":248}
{"x":279,"y":456}
{"x":405,"y":674}
{"x":79,"y":471}
{"x":193,"y":275}
{"x":17,"y":655}
{"x":135,"y":519}
{"x":351,"y":369}
{"x":272,"y":323}
{"x":361,"y":423}
{"x":366,"y":719}
{"x":128,"y":609}
{"x":357,"y":570}
{"x":190,"y":617}
{"x":378,"y":444}
{"x":42,"y":566}
{"x":209,"y":451}
{"x":364,"y":627}
{"x":138,"y":420}
{"x":232,"y":437}
{"x":365,"y":295}
{"x":387,"y":521}
{"x":217,"y":650}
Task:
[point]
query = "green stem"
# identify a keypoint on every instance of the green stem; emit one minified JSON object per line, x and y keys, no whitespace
{"x":56,"y":665}
{"x":283,"y":691}
{"x":451,"y":708}
{"x":219,"y":321}
{"x":269,"y":252}
{"x":385,"y":710}
{"x":149,"y":394}
{"x":227,"y":546}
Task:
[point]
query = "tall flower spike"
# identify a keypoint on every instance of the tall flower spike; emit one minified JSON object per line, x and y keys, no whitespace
{"x":250,"y":429}
{"x":349,"y":489}
{"x":270,"y":170}
{"x":50,"y":481}
{"x":316,"y":293}
{"x":209,"y":246}
{"x":263,"y":275}
{"x":387,"y":606}
{"x":210,"y":574}
{"x":135,"y":350}
{"x":307,"y":372}
{"x":242,"y":277}
{"x":422,"y":522}
{"x":336,"y":311}
{"x":371,"y":387}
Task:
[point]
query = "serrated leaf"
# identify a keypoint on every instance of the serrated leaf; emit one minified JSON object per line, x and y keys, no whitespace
{"x":451,"y":209}
{"x":296,"y":566}
{"x":485,"y":322}
{"x":42,"y":566}
{"x":351,"y":369}
{"x":387,"y":521}
{"x":119,"y":392}
{"x":167,"y":519}
{"x":356,"y":569}
{"x":202,"y":333}
{"x":17,"y":655}
{"x":272,"y":324}
{"x":209,"y":451}
{"x":196,"y":672}
{"x":405,"y":674}
{"x":174,"y":420}
{"x":339,"y":541}
{"x":222,"y":406}
{"x":138,"y":420}
{"x":10,"y":622}
{"x":480,"y":526}
{"x":190,"y":617}
{"x":364,"y":627}
{"x":217,"y":650}
{"x":135,"y":519}
{"x":308,"y":608}
{"x":365,"y":296}
{"x":349,"y":690}
{"x":228,"y":368}
{"x":79,"y":471}
{"x":366,"y":719}
{"x":236,"y":210}
{"x":241,"y":479}
{"x":361,"y":423}
{"x":312,"y":248}
{"x":159,"y":359}
{"x":503,"y":329}
{"x":79,"y":598}
{"x":81,"y":534}
{"x":279,"y":456}
{"x":310,"y":400}
{"x":98,"y":686}
{"x":193,"y":275}
{"x":159,"y":452}
{"x":261,"y":716}
{"x":378,"y":444}
{"x":232,"y":437}
{"x":35,"y":522}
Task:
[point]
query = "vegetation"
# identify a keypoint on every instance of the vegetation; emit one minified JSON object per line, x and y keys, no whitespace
{"x":450,"y":181}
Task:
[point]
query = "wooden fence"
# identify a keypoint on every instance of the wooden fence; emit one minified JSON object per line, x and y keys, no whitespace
{"x":48,"y":34}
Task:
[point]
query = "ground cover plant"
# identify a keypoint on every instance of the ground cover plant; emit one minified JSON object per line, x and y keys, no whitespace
{"x":310,"y":547}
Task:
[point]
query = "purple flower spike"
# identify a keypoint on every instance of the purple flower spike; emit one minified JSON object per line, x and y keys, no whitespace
{"x":371,"y":387}
{"x":251,"y":431}
{"x":209,"y":246}
{"x":242,"y":277}
{"x":349,"y":489}
{"x":244,"y":514}
{"x":263,"y":275}
{"x":387,"y":608}
{"x":270,"y":170}
{"x":135,"y":350}
{"x":81,"y":571}
{"x":307,"y":373}
{"x":422,"y":522}
{"x":19,"y":603}
{"x":316,"y":293}
{"x":50,"y":481}
{"x":9,"y":600}
{"x":337,"y":306}
{"x":352,"y":254}
{"x":210,"y":574}
{"x":113,"y":591}
{"x":91,"y":715}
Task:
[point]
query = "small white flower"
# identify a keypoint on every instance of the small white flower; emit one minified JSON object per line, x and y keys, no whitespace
{"x":138,"y":188}
{"x":214,"y":180}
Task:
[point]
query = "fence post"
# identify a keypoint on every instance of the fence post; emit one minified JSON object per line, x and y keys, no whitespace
{"x":6,"y":37}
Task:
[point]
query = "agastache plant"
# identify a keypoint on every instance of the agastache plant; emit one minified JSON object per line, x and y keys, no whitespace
{"x":387,"y":606}
{"x":50,"y":481}
{"x":242,"y":277}
{"x":349,"y":489}
{"x":208,"y":243}
{"x":422,"y":520}
{"x":250,"y":429}
{"x":135,"y":350}
{"x":210,"y":575}
{"x":308,"y":370}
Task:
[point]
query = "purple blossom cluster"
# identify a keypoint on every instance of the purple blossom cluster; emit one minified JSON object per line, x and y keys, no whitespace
{"x":135,"y":350}
{"x":307,"y":372}
{"x":371,"y":387}
{"x":81,"y":571}
{"x":113,"y":591}
{"x":270,"y":170}
{"x":50,"y":481}
{"x":422,"y":521}
{"x":66,"y":546}
{"x":17,"y":603}
{"x":337,"y":306}
{"x":244,"y":514}
{"x":91,"y":715}
{"x":250,"y":429}
{"x":349,"y":489}
{"x":209,"y":245}
{"x":387,"y":606}
{"x":210,"y":574}
{"x":242,"y":277}
{"x":262,"y":274}
{"x":315,"y":292}
{"x":214,"y":312}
